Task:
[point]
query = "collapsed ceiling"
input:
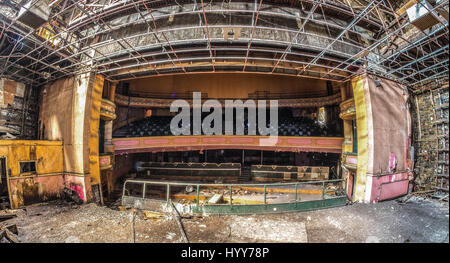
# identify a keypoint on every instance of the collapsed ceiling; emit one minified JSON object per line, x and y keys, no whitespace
{"x":44,"y":40}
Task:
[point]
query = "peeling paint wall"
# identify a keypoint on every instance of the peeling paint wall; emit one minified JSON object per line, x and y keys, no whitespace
{"x":384,"y":166}
{"x":70,"y":111}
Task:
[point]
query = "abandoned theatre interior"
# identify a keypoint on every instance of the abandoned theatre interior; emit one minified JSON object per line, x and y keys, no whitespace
{"x":359,"y":91}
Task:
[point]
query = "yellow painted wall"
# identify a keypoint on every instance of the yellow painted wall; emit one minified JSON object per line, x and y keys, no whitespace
{"x":96,"y":101}
{"x":70,"y":111}
{"x":48,"y":155}
{"x":46,"y":183}
{"x":360,"y":85}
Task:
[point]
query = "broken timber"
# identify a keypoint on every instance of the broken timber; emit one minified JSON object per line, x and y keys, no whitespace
{"x":6,"y":217}
{"x":8,"y":233}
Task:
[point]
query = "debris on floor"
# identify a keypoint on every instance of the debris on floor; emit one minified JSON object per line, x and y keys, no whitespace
{"x":8,"y":234}
{"x":215,"y":199}
{"x":418,"y":220}
{"x":152,"y":215}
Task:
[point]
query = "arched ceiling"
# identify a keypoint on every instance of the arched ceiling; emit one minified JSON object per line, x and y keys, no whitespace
{"x":126,"y":39}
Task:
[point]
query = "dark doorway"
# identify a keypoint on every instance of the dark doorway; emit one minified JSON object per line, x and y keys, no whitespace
{"x":4,"y":196}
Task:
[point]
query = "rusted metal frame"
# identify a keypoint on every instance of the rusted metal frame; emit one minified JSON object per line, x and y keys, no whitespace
{"x":229,"y":58}
{"x":76,"y":54}
{"x":350,"y":5}
{"x":110,"y":29}
{"x":23,"y":37}
{"x":207,"y":34}
{"x":73,"y":55}
{"x":435,"y":76}
{"x":104,"y":24}
{"x":86,"y":51}
{"x":108,"y":43}
{"x":117,"y":53}
{"x":381,"y":18}
{"x":26,"y":8}
{"x":397,"y":21}
{"x":113,"y":35}
{"x":52,"y":65}
{"x":432,"y":10}
{"x":238,"y":64}
{"x":415,"y":44}
{"x":20,"y":68}
{"x":27,"y":68}
{"x":251,"y":36}
{"x":20,"y":78}
{"x":233,"y":11}
{"x":223,"y":57}
{"x":372,"y":47}
{"x":426,"y":34}
{"x":434,"y":68}
{"x":118,"y":41}
{"x":164,"y":35}
{"x":24,"y":55}
{"x":264,"y":50}
{"x":41,"y":45}
{"x":113,"y":10}
{"x":148,"y":25}
{"x":355,"y":20}
{"x":434,"y":53}
{"x":105,"y":43}
{"x":326,"y":24}
{"x":308,"y":17}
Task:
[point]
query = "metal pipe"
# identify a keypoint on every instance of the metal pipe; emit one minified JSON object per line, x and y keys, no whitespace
{"x":251,"y":36}
{"x":207,"y":34}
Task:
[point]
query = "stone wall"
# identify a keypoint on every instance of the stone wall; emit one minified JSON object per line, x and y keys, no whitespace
{"x":430,"y":136}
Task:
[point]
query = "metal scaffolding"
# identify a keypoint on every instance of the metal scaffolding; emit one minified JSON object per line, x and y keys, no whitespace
{"x":125,"y":39}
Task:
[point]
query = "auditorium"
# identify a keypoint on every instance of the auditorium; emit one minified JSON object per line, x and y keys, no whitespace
{"x":223,"y":106}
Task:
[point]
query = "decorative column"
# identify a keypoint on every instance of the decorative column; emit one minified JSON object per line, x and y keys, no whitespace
{"x":107,"y":113}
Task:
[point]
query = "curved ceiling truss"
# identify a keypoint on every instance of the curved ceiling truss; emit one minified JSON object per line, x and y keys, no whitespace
{"x":126,"y":39}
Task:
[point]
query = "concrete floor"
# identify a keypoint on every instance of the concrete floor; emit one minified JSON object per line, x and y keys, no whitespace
{"x":418,"y":220}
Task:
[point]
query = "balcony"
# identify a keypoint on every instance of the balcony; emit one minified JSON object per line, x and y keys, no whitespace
{"x":348,"y":111}
{"x":105,"y":161}
{"x":108,"y":110}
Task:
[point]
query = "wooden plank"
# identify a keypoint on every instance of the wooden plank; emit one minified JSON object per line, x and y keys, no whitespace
{"x":6,"y":217}
{"x":9,"y":235}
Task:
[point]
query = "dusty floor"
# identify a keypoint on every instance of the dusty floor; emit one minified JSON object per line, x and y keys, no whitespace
{"x":418,"y":220}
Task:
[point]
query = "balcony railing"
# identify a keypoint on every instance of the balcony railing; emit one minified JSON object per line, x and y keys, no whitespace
{"x":332,"y":193}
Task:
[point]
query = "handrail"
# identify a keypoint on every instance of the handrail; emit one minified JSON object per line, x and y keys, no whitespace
{"x":229,"y":185}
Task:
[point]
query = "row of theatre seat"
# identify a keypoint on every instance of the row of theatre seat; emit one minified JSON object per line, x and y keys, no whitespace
{"x":287,"y":126}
